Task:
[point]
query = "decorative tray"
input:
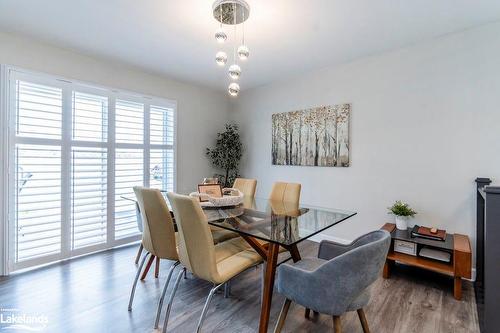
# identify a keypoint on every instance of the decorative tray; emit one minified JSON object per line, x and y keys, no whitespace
{"x":234,"y":199}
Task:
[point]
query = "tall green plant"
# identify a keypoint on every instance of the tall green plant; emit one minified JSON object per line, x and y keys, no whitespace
{"x":226,"y":154}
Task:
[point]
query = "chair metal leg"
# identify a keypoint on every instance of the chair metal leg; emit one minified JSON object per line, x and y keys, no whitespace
{"x":171,"y":299}
{"x":364,"y":322}
{"x":139,"y":269}
{"x":336,"y":324}
{"x":282,"y":316}
{"x":205,"y":308}
{"x":162,"y":297}
{"x":157,"y":267}
{"x":139,"y":253}
{"x":227,"y":289}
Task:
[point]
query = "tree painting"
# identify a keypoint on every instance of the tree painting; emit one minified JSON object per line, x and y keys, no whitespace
{"x":313,"y":137}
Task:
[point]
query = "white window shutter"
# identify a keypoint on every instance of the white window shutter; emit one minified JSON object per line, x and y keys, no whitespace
{"x":62,"y":129}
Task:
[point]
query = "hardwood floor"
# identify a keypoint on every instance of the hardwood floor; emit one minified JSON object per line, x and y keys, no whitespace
{"x":90,"y":294}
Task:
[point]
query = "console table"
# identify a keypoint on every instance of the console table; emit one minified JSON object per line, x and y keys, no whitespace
{"x":460,"y":265}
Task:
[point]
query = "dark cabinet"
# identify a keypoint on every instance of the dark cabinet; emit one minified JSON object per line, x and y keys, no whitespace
{"x":487,"y":285}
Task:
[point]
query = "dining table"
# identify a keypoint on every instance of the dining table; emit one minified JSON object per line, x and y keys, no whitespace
{"x":271,"y":227}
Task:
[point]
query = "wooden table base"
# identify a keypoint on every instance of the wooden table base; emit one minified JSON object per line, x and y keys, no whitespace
{"x":269,"y":252}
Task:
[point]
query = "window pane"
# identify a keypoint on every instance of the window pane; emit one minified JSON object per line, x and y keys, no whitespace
{"x":37,"y":201}
{"x":129,"y":172}
{"x":129,"y":122}
{"x":90,"y":117}
{"x":88,"y":196}
{"x":162,"y":169}
{"x":161,"y":125}
{"x":38,"y":110}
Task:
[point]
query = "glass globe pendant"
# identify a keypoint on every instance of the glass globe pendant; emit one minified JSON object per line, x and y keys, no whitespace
{"x":231,"y":14}
{"x":220,"y":35}
{"x":243,"y":52}
{"x":234,"y":71}
{"x":234,"y":89}
{"x":221,"y":58}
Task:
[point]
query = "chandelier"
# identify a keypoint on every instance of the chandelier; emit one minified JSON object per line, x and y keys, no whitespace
{"x":231,"y":13}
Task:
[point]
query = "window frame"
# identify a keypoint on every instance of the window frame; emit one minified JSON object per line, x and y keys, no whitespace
{"x":10,"y":74}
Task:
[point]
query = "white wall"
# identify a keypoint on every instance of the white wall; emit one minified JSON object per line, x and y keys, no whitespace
{"x":201,"y":112}
{"x":425,"y":123}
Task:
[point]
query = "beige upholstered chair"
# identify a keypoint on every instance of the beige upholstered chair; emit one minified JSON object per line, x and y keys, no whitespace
{"x":287,"y":192}
{"x":158,"y":236}
{"x":197,"y":252}
{"x":246,"y":186}
{"x":219,"y":235}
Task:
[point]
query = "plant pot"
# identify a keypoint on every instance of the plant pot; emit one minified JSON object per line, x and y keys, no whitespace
{"x":401,"y":222}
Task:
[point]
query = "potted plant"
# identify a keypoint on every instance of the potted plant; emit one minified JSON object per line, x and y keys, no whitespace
{"x":402,"y":212}
{"x":226,"y":154}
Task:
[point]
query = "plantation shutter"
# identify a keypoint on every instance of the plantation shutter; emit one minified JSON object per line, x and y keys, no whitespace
{"x":162,"y":162}
{"x":38,"y":111}
{"x":37,"y":156}
{"x":129,"y":164}
{"x":128,"y":173}
{"x":129,"y":122}
{"x":89,"y":170}
{"x":75,"y":154}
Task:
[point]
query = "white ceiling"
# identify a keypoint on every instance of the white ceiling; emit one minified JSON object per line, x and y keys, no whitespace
{"x":285,"y":37}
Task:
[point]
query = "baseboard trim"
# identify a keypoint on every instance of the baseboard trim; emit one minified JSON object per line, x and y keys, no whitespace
{"x":473,"y":276}
{"x":319,"y":237}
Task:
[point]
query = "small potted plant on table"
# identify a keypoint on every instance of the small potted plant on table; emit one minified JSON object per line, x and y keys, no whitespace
{"x":402,"y":212}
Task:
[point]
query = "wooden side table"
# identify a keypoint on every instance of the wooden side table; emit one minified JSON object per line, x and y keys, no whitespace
{"x":457,"y":245}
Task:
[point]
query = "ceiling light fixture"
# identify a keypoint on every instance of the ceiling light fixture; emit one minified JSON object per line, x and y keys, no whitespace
{"x":231,"y":12}
{"x":221,"y":58}
{"x":234,"y":89}
{"x":220,"y":35}
{"x":234,"y":72}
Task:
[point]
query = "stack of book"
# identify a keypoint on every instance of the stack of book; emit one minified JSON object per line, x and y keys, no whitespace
{"x":425,"y":232}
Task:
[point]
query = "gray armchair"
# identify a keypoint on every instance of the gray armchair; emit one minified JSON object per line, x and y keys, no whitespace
{"x":337,"y":281}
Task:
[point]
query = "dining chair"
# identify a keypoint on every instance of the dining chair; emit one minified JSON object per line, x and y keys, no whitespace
{"x":198,"y":254}
{"x":287,"y":192}
{"x":219,"y":235}
{"x":158,"y":236}
{"x":337,"y":281}
{"x":246,"y":186}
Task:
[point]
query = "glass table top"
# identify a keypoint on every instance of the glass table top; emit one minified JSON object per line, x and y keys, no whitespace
{"x":279,"y":222}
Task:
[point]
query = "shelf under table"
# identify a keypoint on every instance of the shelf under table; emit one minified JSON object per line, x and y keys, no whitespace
{"x":429,"y":264}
